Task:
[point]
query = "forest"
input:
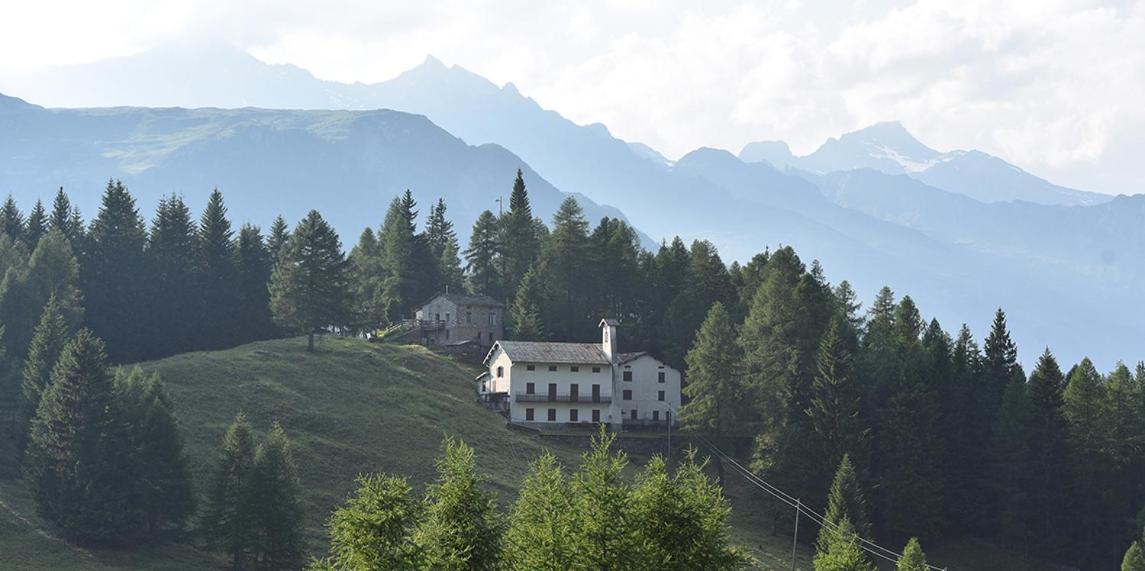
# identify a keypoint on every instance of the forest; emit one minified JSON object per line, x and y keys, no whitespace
{"x":908,"y":428}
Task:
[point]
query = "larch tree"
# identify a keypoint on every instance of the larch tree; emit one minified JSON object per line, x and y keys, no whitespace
{"x":276,"y":505}
{"x":253,"y":267}
{"x":36,"y":225}
{"x":374,"y":528}
{"x":48,"y":341}
{"x":461,"y":528}
{"x":525,"y":313}
{"x":367,"y":279}
{"x":912,"y":558}
{"x":843,"y":552}
{"x":715,"y":391}
{"x":846,"y":501}
{"x":12,"y":220}
{"x":309,"y":288}
{"x":1134,"y":559}
{"x":228,"y":519}
{"x":836,"y":403}
{"x":541,"y":523}
{"x":482,"y":275}
{"x":604,"y":531}
{"x":564,"y":265}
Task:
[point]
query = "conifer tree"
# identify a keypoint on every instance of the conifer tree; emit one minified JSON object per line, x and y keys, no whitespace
{"x":1093,"y":475}
{"x":406,"y":259}
{"x":843,"y":552}
{"x":36,"y":225}
{"x":541,"y":524}
{"x":603,"y":530}
{"x":442,"y":242}
{"x":278,"y":237}
{"x":173,"y":292}
{"x":367,"y":281}
{"x":526,"y":311}
{"x":836,"y":400}
{"x":48,"y":341}
{"x":276,"y":509}
{"x":253,"y":266}
{"x":482,"y":275}
{"x":565,"y":274}
{"x":518,"y":243}
{"x":715,"y":391}
{"x":27,"y":285}
{"x":113,"y":259}
{"x":1049,"y":468}
{"x":1134,"y":559}
{"x":615,"y":288}
{"x":1000,"y":361}
{"x":966,"y":457}
{"x":215,"y":249}
{"x":309,"y":289}
{"x":163,"y":468}
{"x":706,"y":281}
{"x":64,"y":218}
{"x":12,"y":220}
{"x":845,"y":502}
{"x":912,"y":559}
{"x":1012,"y":465}
{"x":461,"y":529}
{"x":228,"y":520}
{"x":79,"y":465}
{"x":374,"y":528}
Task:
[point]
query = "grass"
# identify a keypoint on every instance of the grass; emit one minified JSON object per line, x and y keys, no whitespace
{"x":354,"y":407}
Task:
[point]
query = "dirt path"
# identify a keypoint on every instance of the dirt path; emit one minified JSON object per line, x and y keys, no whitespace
{"x":42,"y":533}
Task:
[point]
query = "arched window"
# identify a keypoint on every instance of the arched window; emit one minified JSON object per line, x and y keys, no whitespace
{"x":500,"y":372}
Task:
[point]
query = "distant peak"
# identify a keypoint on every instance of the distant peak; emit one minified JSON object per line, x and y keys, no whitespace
{"x":884,"y":129}
{"x":431,"y":61}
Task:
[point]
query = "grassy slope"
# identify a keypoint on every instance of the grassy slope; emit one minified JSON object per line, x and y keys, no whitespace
{"x":350,"y":407}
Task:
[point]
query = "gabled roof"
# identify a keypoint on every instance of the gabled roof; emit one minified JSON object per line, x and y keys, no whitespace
{"x":462,"y":299}
{"x":629,"y":357}
{"x":546,"y":352}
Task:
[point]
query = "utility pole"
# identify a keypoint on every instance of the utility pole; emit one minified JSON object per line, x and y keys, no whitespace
{"x":795,"y":538}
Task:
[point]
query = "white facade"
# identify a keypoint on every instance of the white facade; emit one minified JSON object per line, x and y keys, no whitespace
{"x":577,"y":383}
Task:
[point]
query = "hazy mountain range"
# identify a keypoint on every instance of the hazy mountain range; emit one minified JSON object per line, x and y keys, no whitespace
{"x":962,"y":232}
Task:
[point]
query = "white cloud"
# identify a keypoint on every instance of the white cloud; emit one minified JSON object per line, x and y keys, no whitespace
{"x":1052,"y":85}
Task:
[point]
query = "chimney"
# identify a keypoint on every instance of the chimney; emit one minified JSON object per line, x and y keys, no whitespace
{"x":608,"y":339}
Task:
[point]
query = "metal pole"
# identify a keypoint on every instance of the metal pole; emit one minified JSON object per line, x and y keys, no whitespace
{"x":795,"y":538}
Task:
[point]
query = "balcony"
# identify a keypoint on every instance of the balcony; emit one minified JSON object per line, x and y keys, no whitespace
{"x":521,"y":397}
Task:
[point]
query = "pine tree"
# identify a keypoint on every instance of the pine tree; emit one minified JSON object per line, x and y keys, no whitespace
{"x":173,"y":292}
{"x":442,"y":242}
{"x":541,"y":524}
{"x":604,"y":531}
{"x":715,"y":391}
{"x":215,"y":253}
{"x":481,"y":258}
{"x":518,"y":243}
{"x":912,"y":559}
{"x":48,"y":341}
{"x":228,"y":520}
{"x":462,"y":529}
{"x":276,"y":509}
{"x":309,"y":289}
{"x":113,"y":260}
{"x":79,"y":464}
{"x":36,"y":225}
{"x":836,"y":401}
{"x":163,"y":468}
{"x":374,"y":528}
{"x":526,"y":310}
{"x":253,"y":265}
{"x":12,"y":220}
{"x":845,"y":502}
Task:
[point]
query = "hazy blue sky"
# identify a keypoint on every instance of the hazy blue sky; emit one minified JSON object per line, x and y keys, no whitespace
{"x":1055,"y":86}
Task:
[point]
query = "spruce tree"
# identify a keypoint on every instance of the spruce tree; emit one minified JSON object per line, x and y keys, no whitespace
{"x":442,"y":242}
{"x":836,"y":401}
{"x":1083,"y":406}
{"x":48,"y":341}
{"x":406,"y":260}
{"x":1000,"y":359}
{"x":564,"y":267}
{"x":64,"y":218}
{"x":715,"y":390}
{"x":461,"y":529}
{"x":173,"y":293}
{"x":843,"y":552}
{"x":253,"y":266}
{"x":541,"y":523}
{"x":482,"y":274}
{"x":164,"y":490}
{"x":278,"y":237}
{"x":309,"y":288}
{"x":79,"y":464}
{"x":12,"y":220}
{"x":113,"y":260}
{"x":276,"y":508}
{"x":374,"y":528}
{"x":525,"y":314}
{"x":1049,"y":456}
{"x":36,"y":225}
{"x":1012,"y":464}
{"x":367,"y":281}
{"x":228,"y":520}
{"x":518,"y":243}
{"x":845,"y":502}
{"x":615,"y":288}
{"x":215,"y":254}
{"x":912,"y":559}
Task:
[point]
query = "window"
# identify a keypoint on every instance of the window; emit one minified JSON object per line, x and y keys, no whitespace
{"x":468,"y":317}
{"x":552,"y":368}
{"x":633,"y":414}
{"x":574,"y":369}
{"x":447,"y":317}
{"x":660,"y":395}
{"x":574,"y":392}
{"x":500,"y":372}
{"x":596,"y":369}
{"x":627,"y":394}
{"x":530,"y":367}
{"x":484,"y":387}
{"x":628,"y":376}
{"x":492,"y":318}
{"x":660,"y":376}
{"x":573,"y":414}
{"x":655,"y":415}
{"x":552,"y":392}
{"x":478,"y":335}
{"x":490,"y":335}
{"x":596,"y":393}
{"x":528,"y":414}
{"x":530,"y":388}
{"x":595,"y":415}
{"x":552,"y":415}
{"x":437,"y":317}
{"x":447,"y":335}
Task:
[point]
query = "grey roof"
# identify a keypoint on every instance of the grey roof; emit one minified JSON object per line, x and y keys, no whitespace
{"x":609,"y":321}
{"x":545,"y":352}
{"x":463,"y":299}
{"x":628,"y":357}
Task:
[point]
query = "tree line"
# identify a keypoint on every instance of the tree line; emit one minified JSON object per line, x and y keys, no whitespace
{"x":950,"y":438}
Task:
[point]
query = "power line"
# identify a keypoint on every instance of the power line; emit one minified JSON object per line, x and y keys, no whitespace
{"x":865,"y":544}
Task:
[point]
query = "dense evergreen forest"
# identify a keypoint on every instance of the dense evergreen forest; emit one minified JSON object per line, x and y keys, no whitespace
{"x":942,"y":434}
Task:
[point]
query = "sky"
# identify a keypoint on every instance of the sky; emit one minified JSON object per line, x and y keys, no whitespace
{"x":1054,"y":86}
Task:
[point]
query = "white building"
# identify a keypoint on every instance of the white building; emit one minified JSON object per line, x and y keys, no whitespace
{"x":570,"y":383}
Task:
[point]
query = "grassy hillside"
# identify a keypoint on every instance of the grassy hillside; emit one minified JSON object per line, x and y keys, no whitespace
{"x":351,"y":407}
